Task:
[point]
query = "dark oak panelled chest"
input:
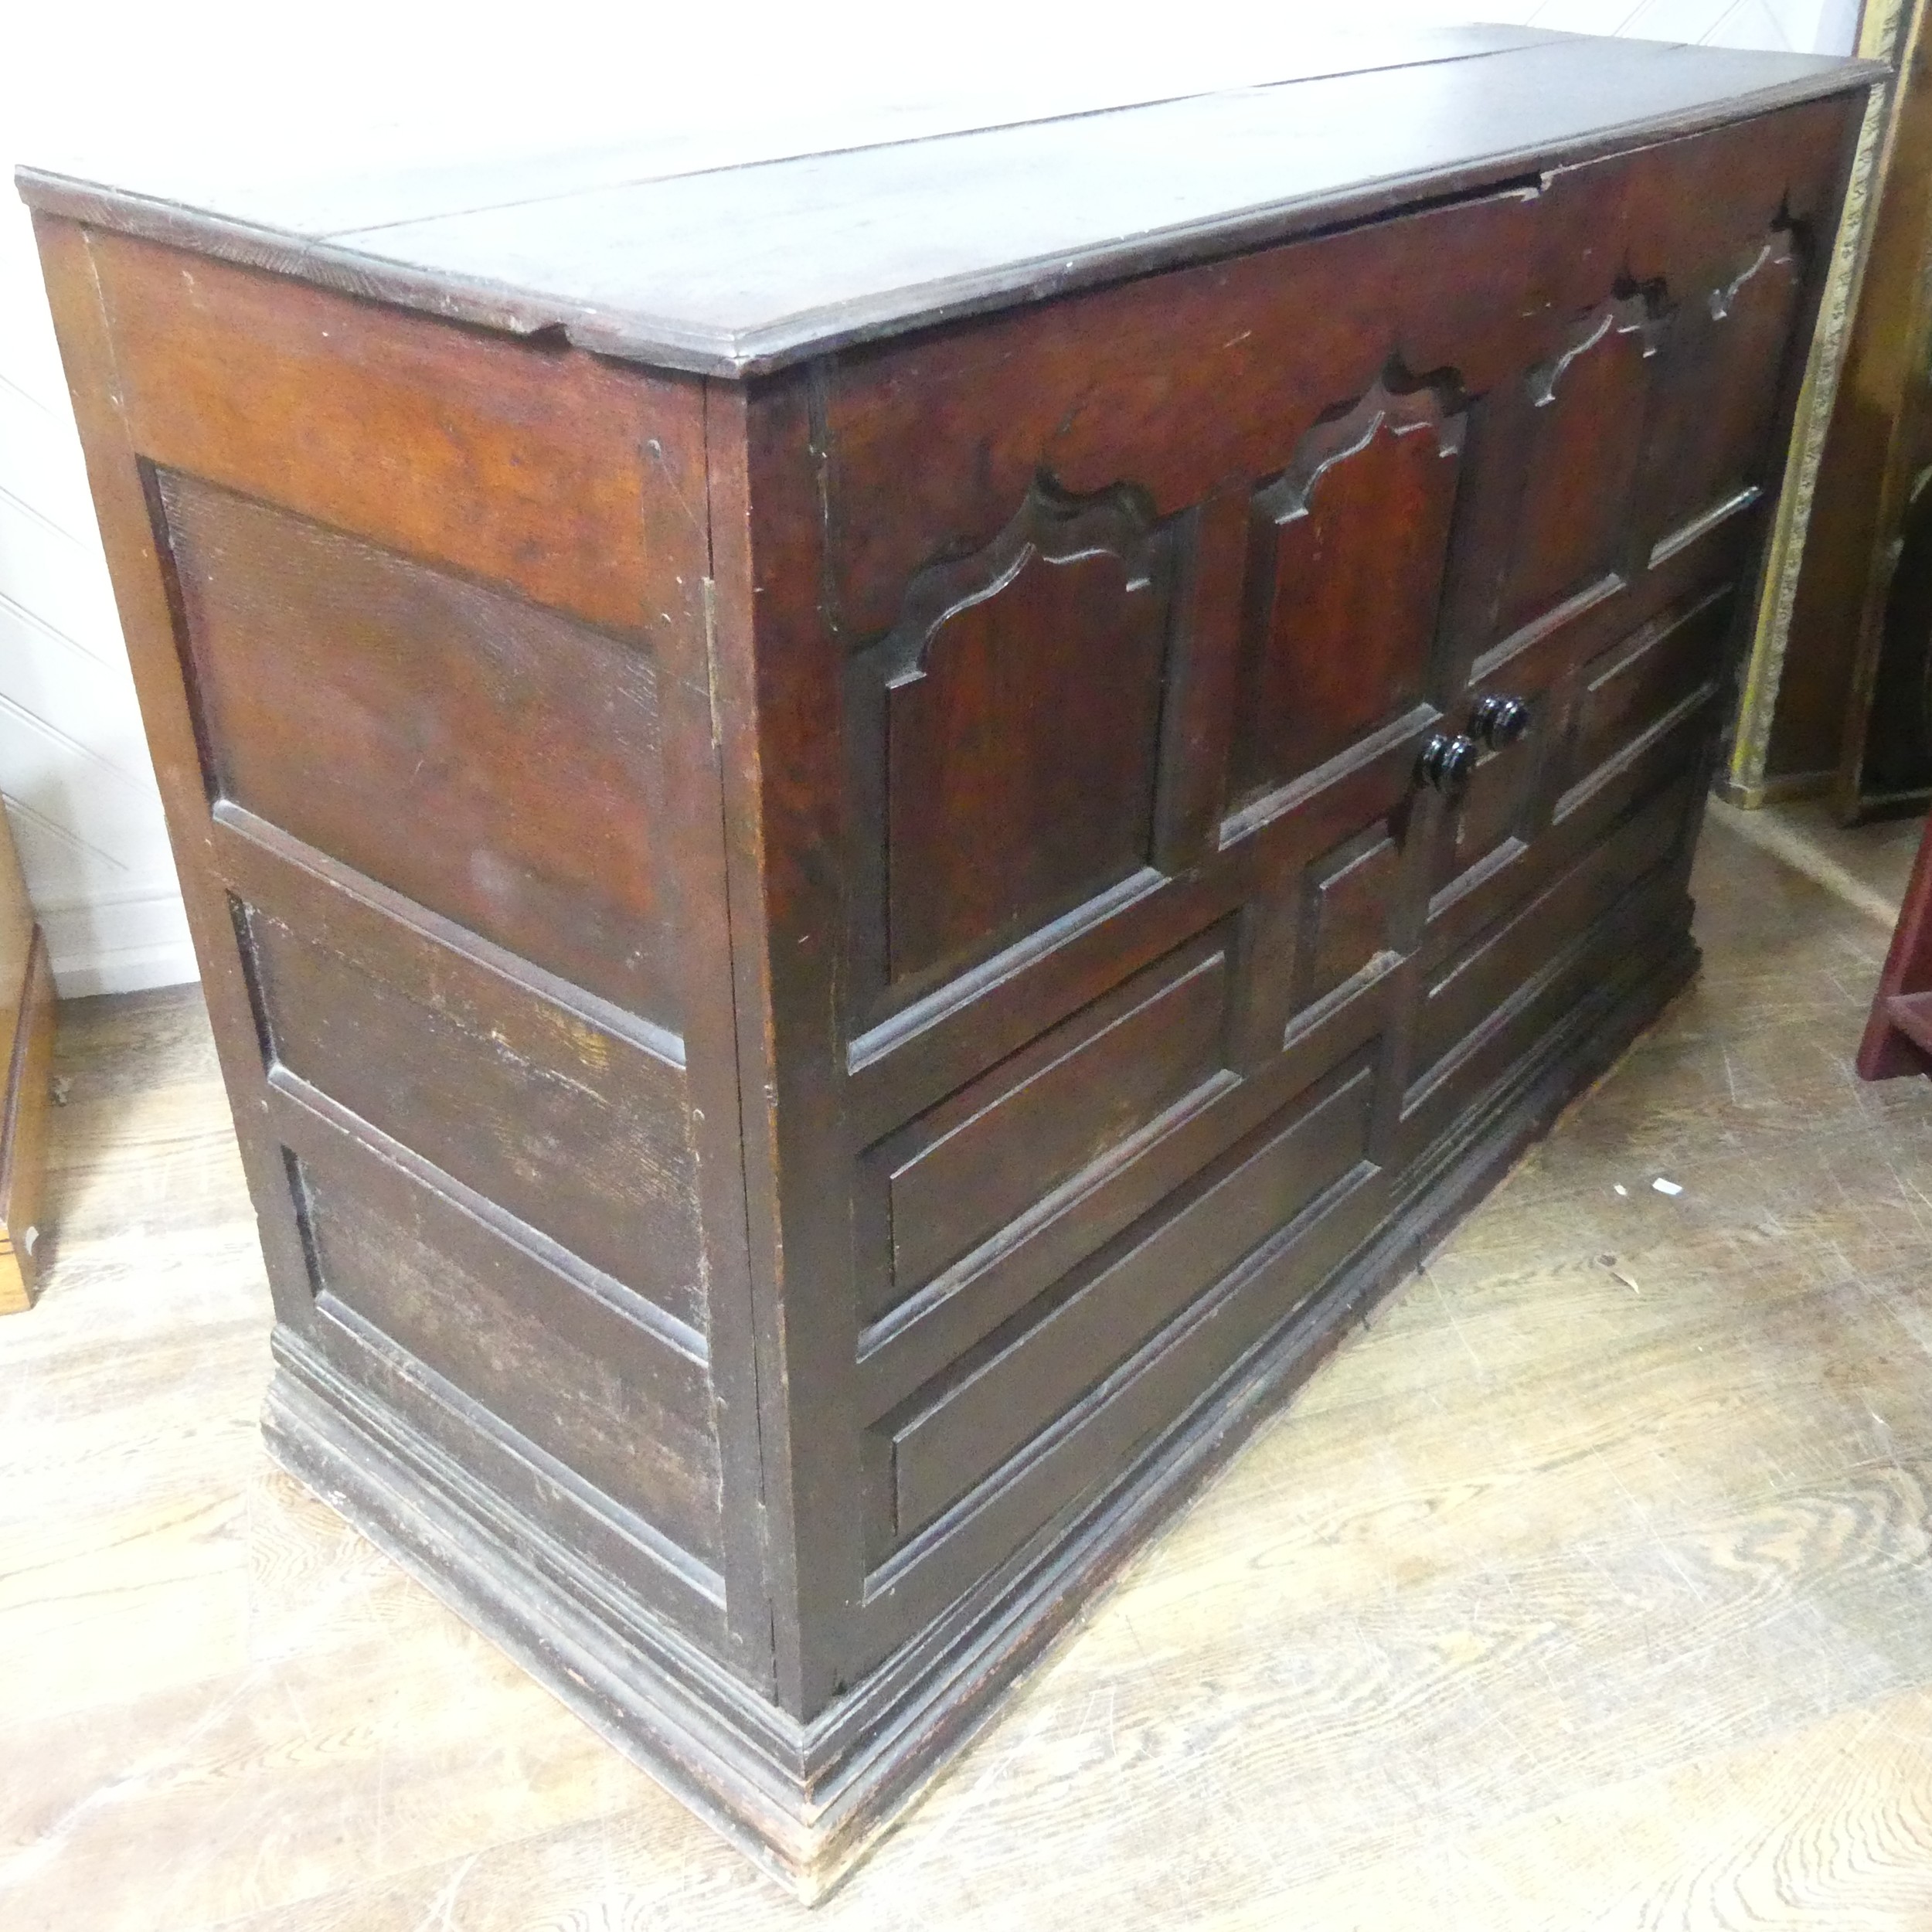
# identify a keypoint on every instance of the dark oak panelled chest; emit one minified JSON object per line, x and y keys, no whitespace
{"x":869,"y":834}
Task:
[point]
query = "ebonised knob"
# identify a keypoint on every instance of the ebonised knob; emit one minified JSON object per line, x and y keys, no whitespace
{"x":1498,"y":722}
{"x":1446,"y":763}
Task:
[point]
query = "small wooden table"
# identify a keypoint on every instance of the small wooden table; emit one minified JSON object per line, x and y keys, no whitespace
{"x":869,"y":835}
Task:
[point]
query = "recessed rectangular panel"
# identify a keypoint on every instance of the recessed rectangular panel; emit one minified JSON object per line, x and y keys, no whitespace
{"x":1644,"y":934}
{"x":1492,"y":808}
{"x":973,"y":1163}
{"x":578,"y":1133}
{"x":1465,"y":994}
{"x":1719,"y":387}
{"x":609,"y":1400}
{"x":1017,"y":1386}
{"x":1500,"y":801}
{"x":1629,"y":687}
{"x":495,"y":761}
{"x":1347,"y":902}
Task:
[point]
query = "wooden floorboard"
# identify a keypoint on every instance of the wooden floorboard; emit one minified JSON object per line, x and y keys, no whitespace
{"x":1589,"y":1586}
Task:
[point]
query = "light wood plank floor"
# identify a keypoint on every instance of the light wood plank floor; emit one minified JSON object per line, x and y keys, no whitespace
{"x":1590,"y":1587}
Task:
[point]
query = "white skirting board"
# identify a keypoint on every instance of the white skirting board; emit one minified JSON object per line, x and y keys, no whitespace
{"x":118,"y":944}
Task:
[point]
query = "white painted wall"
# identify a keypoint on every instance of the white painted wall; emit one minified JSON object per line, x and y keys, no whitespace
{"x":79,"y":790}
{"x":1801,"y":26}
{"x":364,"y":82}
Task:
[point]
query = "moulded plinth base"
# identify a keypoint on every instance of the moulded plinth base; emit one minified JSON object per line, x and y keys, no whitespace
{"x":806,"y":1800}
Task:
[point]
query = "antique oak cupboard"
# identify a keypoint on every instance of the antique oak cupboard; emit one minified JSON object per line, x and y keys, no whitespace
{"x":870,"y":836}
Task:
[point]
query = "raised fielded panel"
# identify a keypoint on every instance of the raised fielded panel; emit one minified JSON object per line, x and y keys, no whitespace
{"x":366,"y":704}
{"x":1716,"y":411}
{"x":1347,"y":551}
{"x":1022,"y":707}
{"x":1589,"y":402}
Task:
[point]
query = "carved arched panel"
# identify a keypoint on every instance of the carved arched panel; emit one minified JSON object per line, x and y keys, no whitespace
{"x":1020,"y":705}
{"x":1581,"y":462}
{"x":1346,"y":558}
{"x":1709,"y":447}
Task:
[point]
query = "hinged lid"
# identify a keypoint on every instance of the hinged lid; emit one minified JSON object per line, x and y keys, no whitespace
{"x":653,"y":252}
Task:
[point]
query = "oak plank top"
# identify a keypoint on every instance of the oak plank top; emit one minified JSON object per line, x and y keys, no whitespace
{"x":683,"y":253}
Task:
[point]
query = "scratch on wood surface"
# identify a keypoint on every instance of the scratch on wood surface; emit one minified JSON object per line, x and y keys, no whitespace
{"x":653,"y":448}
{"x":440,"y":1916}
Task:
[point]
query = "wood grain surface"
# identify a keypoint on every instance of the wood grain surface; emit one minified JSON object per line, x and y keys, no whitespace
{"x":1590,"y":1587}
{"x":739,"y":270}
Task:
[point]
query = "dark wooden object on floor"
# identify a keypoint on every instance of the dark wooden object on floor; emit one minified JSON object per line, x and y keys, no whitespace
{"x":26,"y":1069}
{"x":1898,"y":1035}
{"x":866,"y":848}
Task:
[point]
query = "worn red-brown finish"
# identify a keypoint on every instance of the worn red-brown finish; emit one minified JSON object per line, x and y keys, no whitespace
{"x":835,"y":956}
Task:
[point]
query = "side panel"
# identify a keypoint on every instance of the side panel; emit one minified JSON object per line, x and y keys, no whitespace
{"x":416,"y":615}
{"x":488,"y":758}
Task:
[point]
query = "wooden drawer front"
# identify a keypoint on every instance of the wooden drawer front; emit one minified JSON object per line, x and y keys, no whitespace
{"x":1495,"y":809}
{"x":495,"y":762}
{"x":603,"y":1396}
{"x":1588,"y":753}
{"x":1486,"y":897}
{"x":1515,"y":828}
{"x":574,"y":1136}
{"x":1499,"y":812}
{"x":1643,"y":932}
{"x":949,"y":1438}
{"x":967,"y":1169}
{"x":1460,"y":997}
{"x":1626,"y":689}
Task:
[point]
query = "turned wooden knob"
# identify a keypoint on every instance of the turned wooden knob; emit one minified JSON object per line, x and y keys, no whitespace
{"x":1446,"y":763}
{"x":1498,"y":722}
